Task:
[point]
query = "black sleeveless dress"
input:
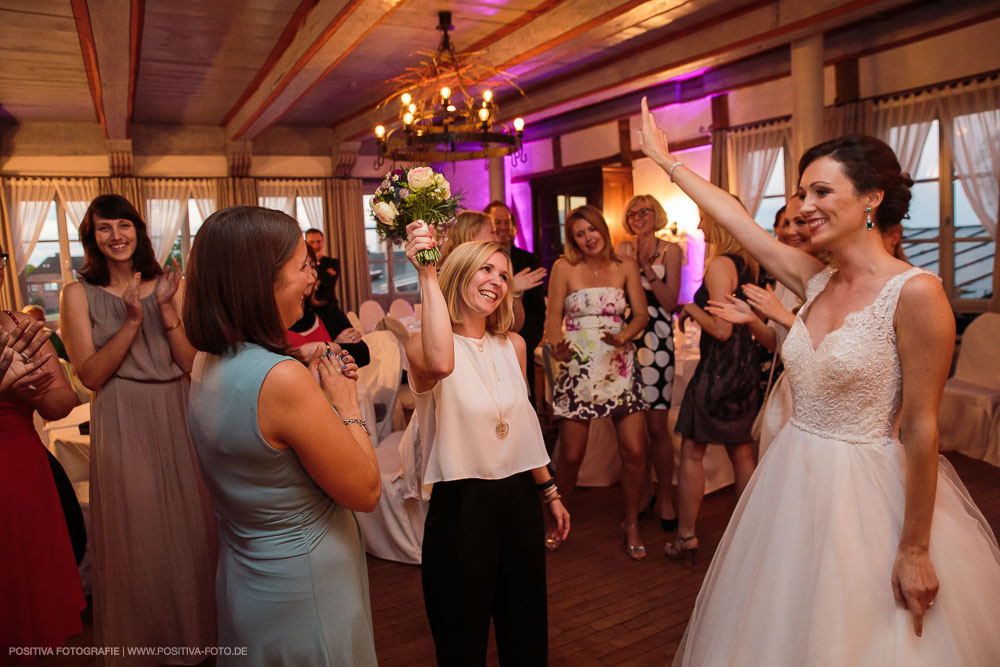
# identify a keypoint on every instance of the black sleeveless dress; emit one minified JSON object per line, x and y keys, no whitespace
{"x":724,"y":394}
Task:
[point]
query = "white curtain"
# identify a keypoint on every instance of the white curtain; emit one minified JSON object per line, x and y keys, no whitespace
{"x":76,"y":195}
{"x":312,"y":200}
{"x":204,"y":191}
{"x":277,"y":194}
{"x":904,"y":124}
{"x":849,"y":118}
{"x":166,"y":208}
{"x":752,"y":154}
{"x":971,"y":118}
{"x":29,"y":200}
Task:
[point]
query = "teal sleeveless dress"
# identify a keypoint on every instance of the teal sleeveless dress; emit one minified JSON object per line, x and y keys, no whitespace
{"x":292,"y":583}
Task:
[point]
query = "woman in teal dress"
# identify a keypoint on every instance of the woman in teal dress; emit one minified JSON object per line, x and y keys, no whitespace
{"x":590,"y":287}
{"x":285,"y":470}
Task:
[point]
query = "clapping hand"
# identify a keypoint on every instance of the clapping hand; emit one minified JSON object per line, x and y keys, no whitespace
{"x":130,"y":295}
{"x":527,"y":279}
{"x":732,"y":310}
{"x":166,"y":288}
{"x":764,"y":300}
{"x":22,"y":365}
{"x":338,"y":375}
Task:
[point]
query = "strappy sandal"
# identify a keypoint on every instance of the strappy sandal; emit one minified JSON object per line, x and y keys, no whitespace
{"x":682,"y":547}
{"x":633,"y":551}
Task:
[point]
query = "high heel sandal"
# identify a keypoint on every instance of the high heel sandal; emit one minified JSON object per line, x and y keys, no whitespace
{"x":681,"y":547}
{"x":633,"y":551}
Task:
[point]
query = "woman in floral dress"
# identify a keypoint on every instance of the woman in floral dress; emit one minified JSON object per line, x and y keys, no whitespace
{"x":590,"y":287}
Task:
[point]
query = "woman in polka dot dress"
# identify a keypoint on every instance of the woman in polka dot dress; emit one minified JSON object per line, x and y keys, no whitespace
{"x":660,"y":267}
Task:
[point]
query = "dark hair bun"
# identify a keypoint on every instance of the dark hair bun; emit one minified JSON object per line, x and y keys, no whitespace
{"x":870,"y":165}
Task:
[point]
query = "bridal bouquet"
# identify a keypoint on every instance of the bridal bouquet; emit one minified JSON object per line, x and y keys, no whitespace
{"x":414,"y":194}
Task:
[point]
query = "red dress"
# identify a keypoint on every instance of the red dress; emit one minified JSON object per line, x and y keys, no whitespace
{"x":40,"y":593}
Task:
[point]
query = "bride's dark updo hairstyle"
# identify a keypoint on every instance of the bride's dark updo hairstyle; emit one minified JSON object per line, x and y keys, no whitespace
{"x":870,"y":165}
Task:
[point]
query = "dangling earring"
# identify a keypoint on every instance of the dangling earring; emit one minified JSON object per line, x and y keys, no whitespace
{"x":868,"y":218}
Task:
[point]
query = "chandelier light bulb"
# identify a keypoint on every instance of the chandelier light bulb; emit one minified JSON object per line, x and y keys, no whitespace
{"x":487,"y":96}
{"x":445,"y":93}
{"x":405,"y":99}
{"x":379,"y":131}
{"x":407,"y":118}
{"x":484,"y":114}
{"x":412,"y":108}
{"x":519,"y":124}
{"x":451,"y":107}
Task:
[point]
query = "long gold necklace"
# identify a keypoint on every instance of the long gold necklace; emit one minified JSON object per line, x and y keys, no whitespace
{"x":502,"y":427}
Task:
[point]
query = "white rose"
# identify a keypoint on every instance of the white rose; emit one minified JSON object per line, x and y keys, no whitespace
{"x":385,"y":211}
{"x":445,"y":189}
{"x":420,"y":177}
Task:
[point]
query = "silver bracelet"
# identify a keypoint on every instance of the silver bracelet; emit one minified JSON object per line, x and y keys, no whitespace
{"x":670,"y":170}
{"x":358,"y":420}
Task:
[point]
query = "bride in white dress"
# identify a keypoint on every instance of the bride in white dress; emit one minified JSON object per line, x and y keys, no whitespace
{"x":849,"y":546}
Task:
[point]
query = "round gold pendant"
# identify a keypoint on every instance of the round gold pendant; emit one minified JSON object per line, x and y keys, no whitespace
{"x":502,"y":429}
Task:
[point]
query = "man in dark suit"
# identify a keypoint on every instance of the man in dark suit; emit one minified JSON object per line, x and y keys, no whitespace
{"x":327,"y":268}
{"x":533,"y":300}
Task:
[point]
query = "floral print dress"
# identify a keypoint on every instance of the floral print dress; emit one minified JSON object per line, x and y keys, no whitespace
{"x":600,"y":380}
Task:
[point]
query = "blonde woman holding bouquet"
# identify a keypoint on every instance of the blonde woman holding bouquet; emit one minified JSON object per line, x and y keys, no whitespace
{"x":483,"y":556}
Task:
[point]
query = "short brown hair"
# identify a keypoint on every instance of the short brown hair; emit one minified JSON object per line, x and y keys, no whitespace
{"x":594,"y":216}
{"x":659,"y":215}
{"x":456,"y":272}
{"x":234,"y":264}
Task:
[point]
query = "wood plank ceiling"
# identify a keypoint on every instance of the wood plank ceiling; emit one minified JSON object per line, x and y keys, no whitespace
{"x":249,"y":65}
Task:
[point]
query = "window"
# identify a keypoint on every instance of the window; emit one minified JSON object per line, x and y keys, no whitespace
{"x":774,"y":194}
{"x":943,"y":233}
{"x":392,"y":275}
{"x":45,"y":272}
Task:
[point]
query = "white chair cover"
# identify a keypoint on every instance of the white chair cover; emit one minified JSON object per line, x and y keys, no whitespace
{"x":395,"y":530}
{"x":355,"y":321}
{"x":401,"y":309}
{"x":371,"y":314}
{"x":381,"y":377}
{"x":969,"y":418}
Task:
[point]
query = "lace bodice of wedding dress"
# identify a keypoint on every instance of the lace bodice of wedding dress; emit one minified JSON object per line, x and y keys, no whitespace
{"x":848,"y":388}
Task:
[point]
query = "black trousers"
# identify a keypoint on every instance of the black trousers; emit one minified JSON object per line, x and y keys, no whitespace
{"x":483,"y":558}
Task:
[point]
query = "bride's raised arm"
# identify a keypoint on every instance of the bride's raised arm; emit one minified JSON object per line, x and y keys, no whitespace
{"x":790,"y":266}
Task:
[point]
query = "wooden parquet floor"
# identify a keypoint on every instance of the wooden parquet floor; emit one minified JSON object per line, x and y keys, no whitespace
{"x":603,"y":608}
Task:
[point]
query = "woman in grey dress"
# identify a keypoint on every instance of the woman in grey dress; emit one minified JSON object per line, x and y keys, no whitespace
{"x":151,"y":519}
{"x":285,"y":470}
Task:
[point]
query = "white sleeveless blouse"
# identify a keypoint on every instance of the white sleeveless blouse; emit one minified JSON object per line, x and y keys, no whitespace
{"x":458,"y":416}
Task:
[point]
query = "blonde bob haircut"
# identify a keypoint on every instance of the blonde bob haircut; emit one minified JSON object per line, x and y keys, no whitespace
{"x":659,"y":215}
{"x":721,"y":242}
{"x":593,"y":215}
{"x":456,"y":272}
{"x":467,"y":225}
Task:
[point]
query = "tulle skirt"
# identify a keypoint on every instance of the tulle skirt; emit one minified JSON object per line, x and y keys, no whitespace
{"x":802,"y":575}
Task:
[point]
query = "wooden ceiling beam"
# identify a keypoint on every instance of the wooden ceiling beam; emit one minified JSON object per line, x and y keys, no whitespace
{"x":86,"y":34}
{"x":713,"y":44}
{"x":329,"y":32}
{"x":115,"y":55}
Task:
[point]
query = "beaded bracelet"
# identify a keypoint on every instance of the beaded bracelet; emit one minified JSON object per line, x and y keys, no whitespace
{"x":670,"y":170}
{"x":361,"y":422}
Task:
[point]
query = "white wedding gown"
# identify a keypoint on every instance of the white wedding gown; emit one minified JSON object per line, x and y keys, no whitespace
{"x":802,"y":574}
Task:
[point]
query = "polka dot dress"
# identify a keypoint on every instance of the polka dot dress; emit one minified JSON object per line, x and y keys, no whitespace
{"x":655,"y":352}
